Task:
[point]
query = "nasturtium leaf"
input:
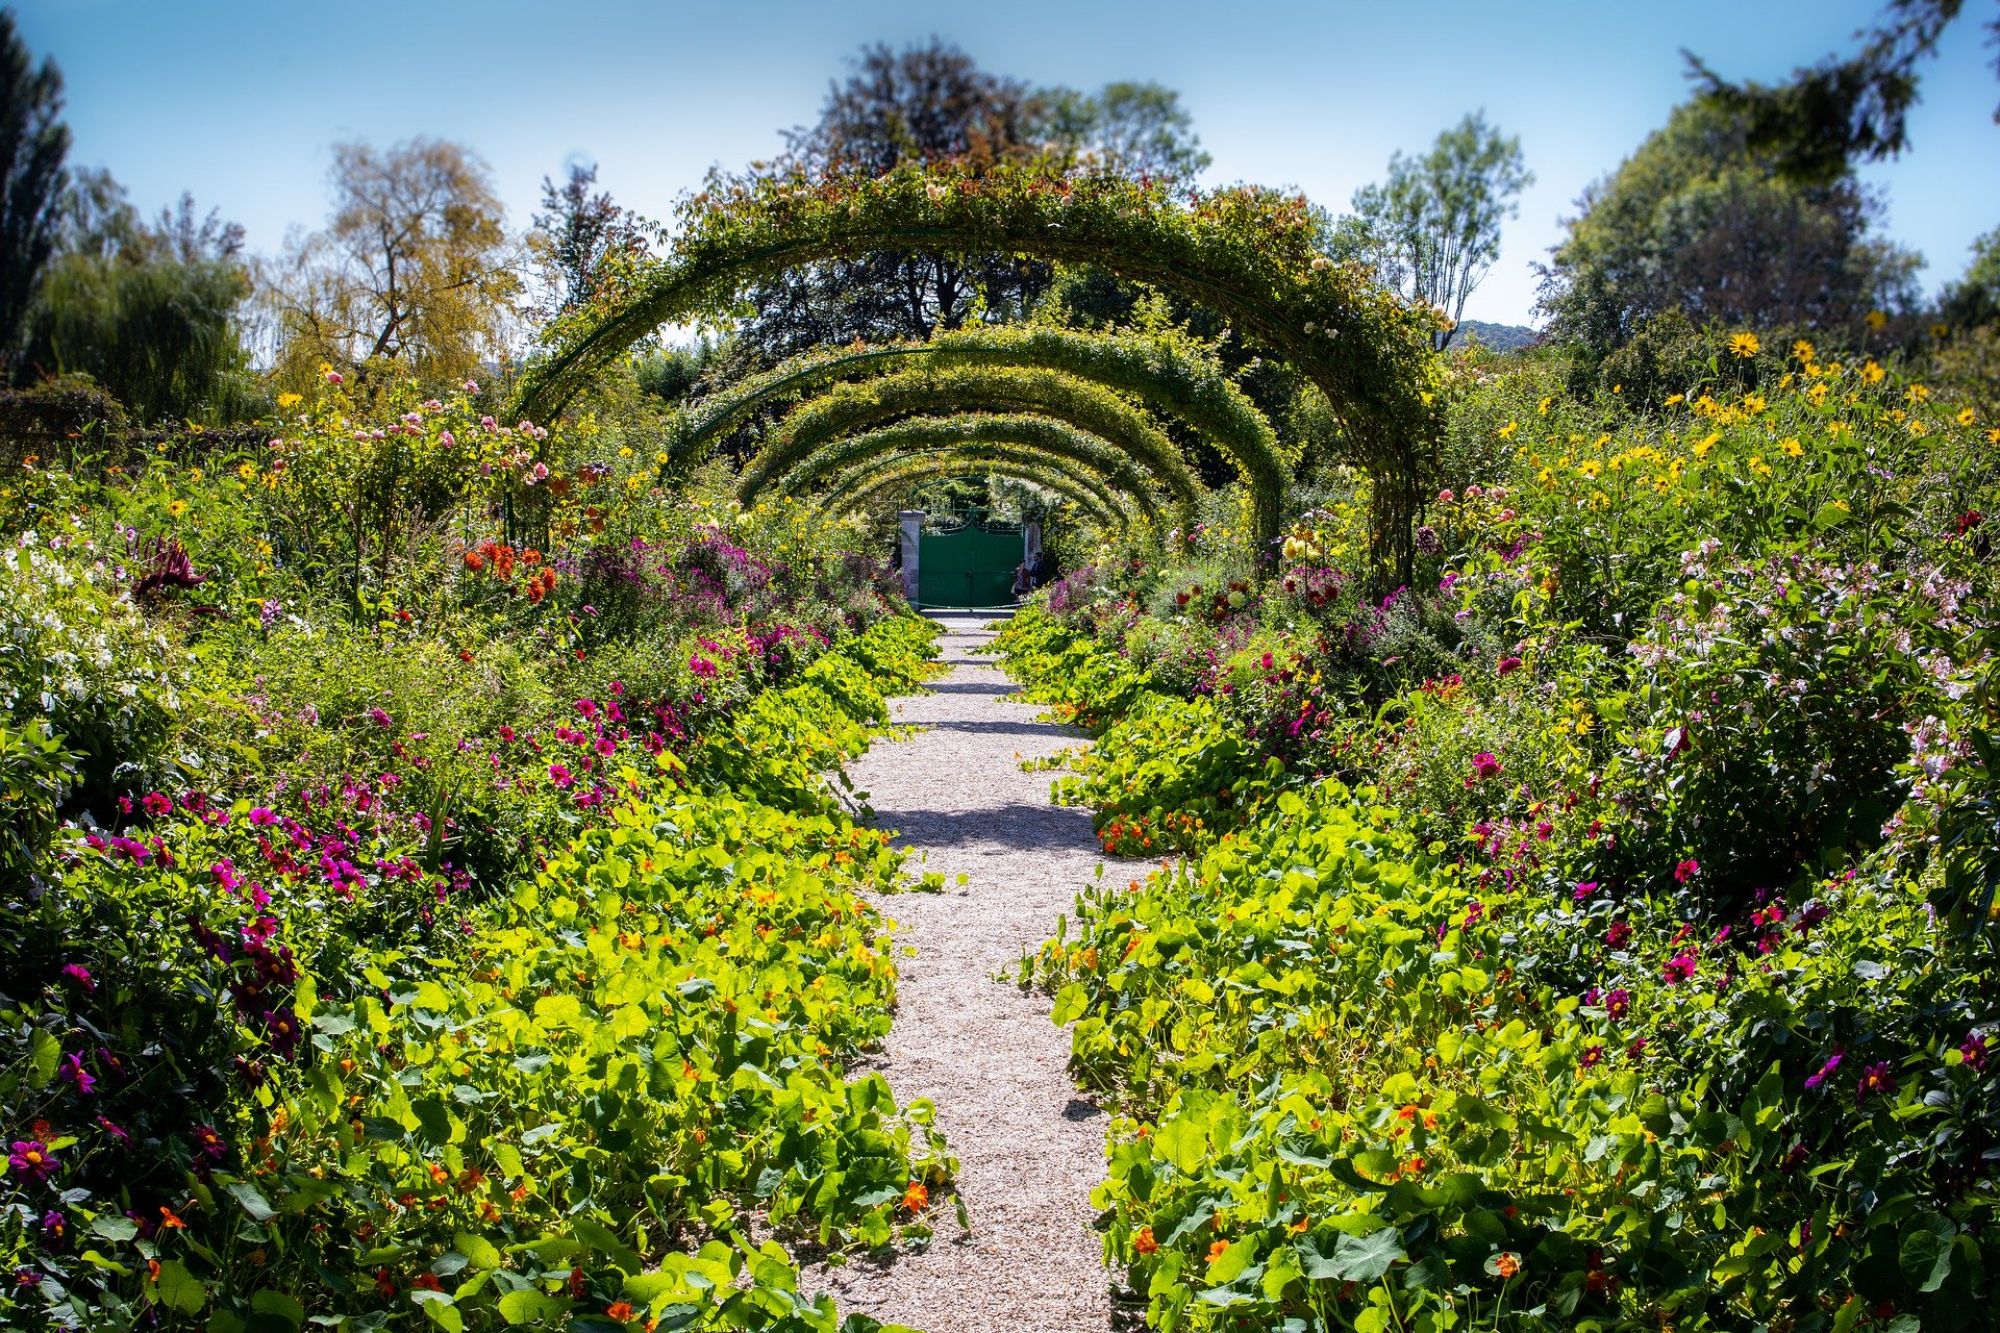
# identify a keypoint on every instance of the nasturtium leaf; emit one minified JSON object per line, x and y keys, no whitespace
{"x":254,"y":1203}
{"x":529,"y":1305}
{"x":178,"y":1289}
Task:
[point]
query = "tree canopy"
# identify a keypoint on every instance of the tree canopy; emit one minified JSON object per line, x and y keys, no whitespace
{"x":1699,"y":221}
{"x":1432,"y":230}
{"x":34,"y":143}
{"x":415,"y":266}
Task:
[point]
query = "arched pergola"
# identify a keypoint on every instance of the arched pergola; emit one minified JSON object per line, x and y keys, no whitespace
{"x":1247,"y":254}
{"x":851,"y":408}
{"x":1170,"y":379}
{"x":861,"y":487}
{"x":1050,"y":439}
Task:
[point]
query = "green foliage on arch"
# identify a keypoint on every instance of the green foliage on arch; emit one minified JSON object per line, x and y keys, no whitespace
{"x":1042,"y":436}
{"x":1112,"y":492}
{"x":1246,"y":253}
{"x":1087,"y":494}
{"x":851,"y":408}
{"x":1166,"y":377}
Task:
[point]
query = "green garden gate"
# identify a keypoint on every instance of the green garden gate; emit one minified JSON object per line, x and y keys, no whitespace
{"x":965,"y":560}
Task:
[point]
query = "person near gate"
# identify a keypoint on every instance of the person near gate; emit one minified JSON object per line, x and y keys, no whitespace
{"x":1023,"y":581}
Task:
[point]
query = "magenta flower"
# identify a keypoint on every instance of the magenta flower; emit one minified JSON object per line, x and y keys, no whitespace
{"x":31,"y":1160}
{"x":1508,"y":665}
{"x":561,"y":776}
{"x":1825,"y":1071}
{"x":1484,"y":765}
{"x":379,"y":718}
{"x":1679,"y":968}
{"x":1618,"y":1003}
{"x":210,"y":1144}
{"x":78,"y":974}
{"x":158,"y":803}
{"x":701,"y":666}
{"x":1973,"y":1048}
{"x":1583,"y":890}
{"x":118,"y":1133}
{"x":1619,"y":935}
{"x":73,"y":1070}
{"x":1876,"y":1078}
{"x":1592,"y":1057}
{"x":1686,"y":870}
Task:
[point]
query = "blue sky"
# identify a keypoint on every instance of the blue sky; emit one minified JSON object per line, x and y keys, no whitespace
{"x":240,"y":102}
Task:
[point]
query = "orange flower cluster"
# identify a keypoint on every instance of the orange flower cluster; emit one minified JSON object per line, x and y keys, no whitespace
{"x":500,"y":560}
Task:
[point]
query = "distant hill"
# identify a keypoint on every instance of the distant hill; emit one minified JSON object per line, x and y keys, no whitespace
{"x":1499,"y":337}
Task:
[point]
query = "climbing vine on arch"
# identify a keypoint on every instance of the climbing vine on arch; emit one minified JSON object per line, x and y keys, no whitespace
{"x":1169,"y":379}
{"x":851,"y":408}
{"x":1246,"y":253}
{"x":1087,"y":494}
{"x":1053,"y":440}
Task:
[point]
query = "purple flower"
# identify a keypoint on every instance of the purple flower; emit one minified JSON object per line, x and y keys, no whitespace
{"x":701,"y":666}
{"x":1973,"y":1048}
{"x":118,"y":1132}
{"x":210,"y":1144}
{"x":55,"y":1229}
{"x":379,"y":718}
{"x":73,"y":1070}
{"x":1618,"y":1003}
{"x":1679,"y":968}
{"x":1876,"y":1078}
{"x":1825,"y":1071}
{"x":80,"y":975}
{"x":31,"y":1160}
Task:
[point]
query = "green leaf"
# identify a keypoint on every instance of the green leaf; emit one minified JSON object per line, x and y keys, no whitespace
{"x":603,"y":1239}
{"x":528,"y":1305}
{"x":178,"y":1289}
{"x":254,"y":1203}
{"x":439,"y":1307}
{"x":114,"y":1228}
{"x":478,"y":1249}
{"x":44,"y":1051}
{"x":1366,"y":1258}
{"x":279,"y":1304}
{"x":1925,"y":1255}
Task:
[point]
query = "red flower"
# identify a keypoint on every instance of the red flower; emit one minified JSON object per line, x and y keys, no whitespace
{"x":1619,"y":935}
{"x":1686,"y":870}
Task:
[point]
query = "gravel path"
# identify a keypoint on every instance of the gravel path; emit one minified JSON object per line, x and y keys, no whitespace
{"x":1030,"y":1147}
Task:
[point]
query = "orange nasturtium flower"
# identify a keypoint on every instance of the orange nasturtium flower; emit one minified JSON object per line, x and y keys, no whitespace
{"x":916,"y":1197}
{"x":1143,"y":1244}
{"x":1217,"y":1250}
{"x":1508,"y":1264}
{"x":622,"y":1311}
